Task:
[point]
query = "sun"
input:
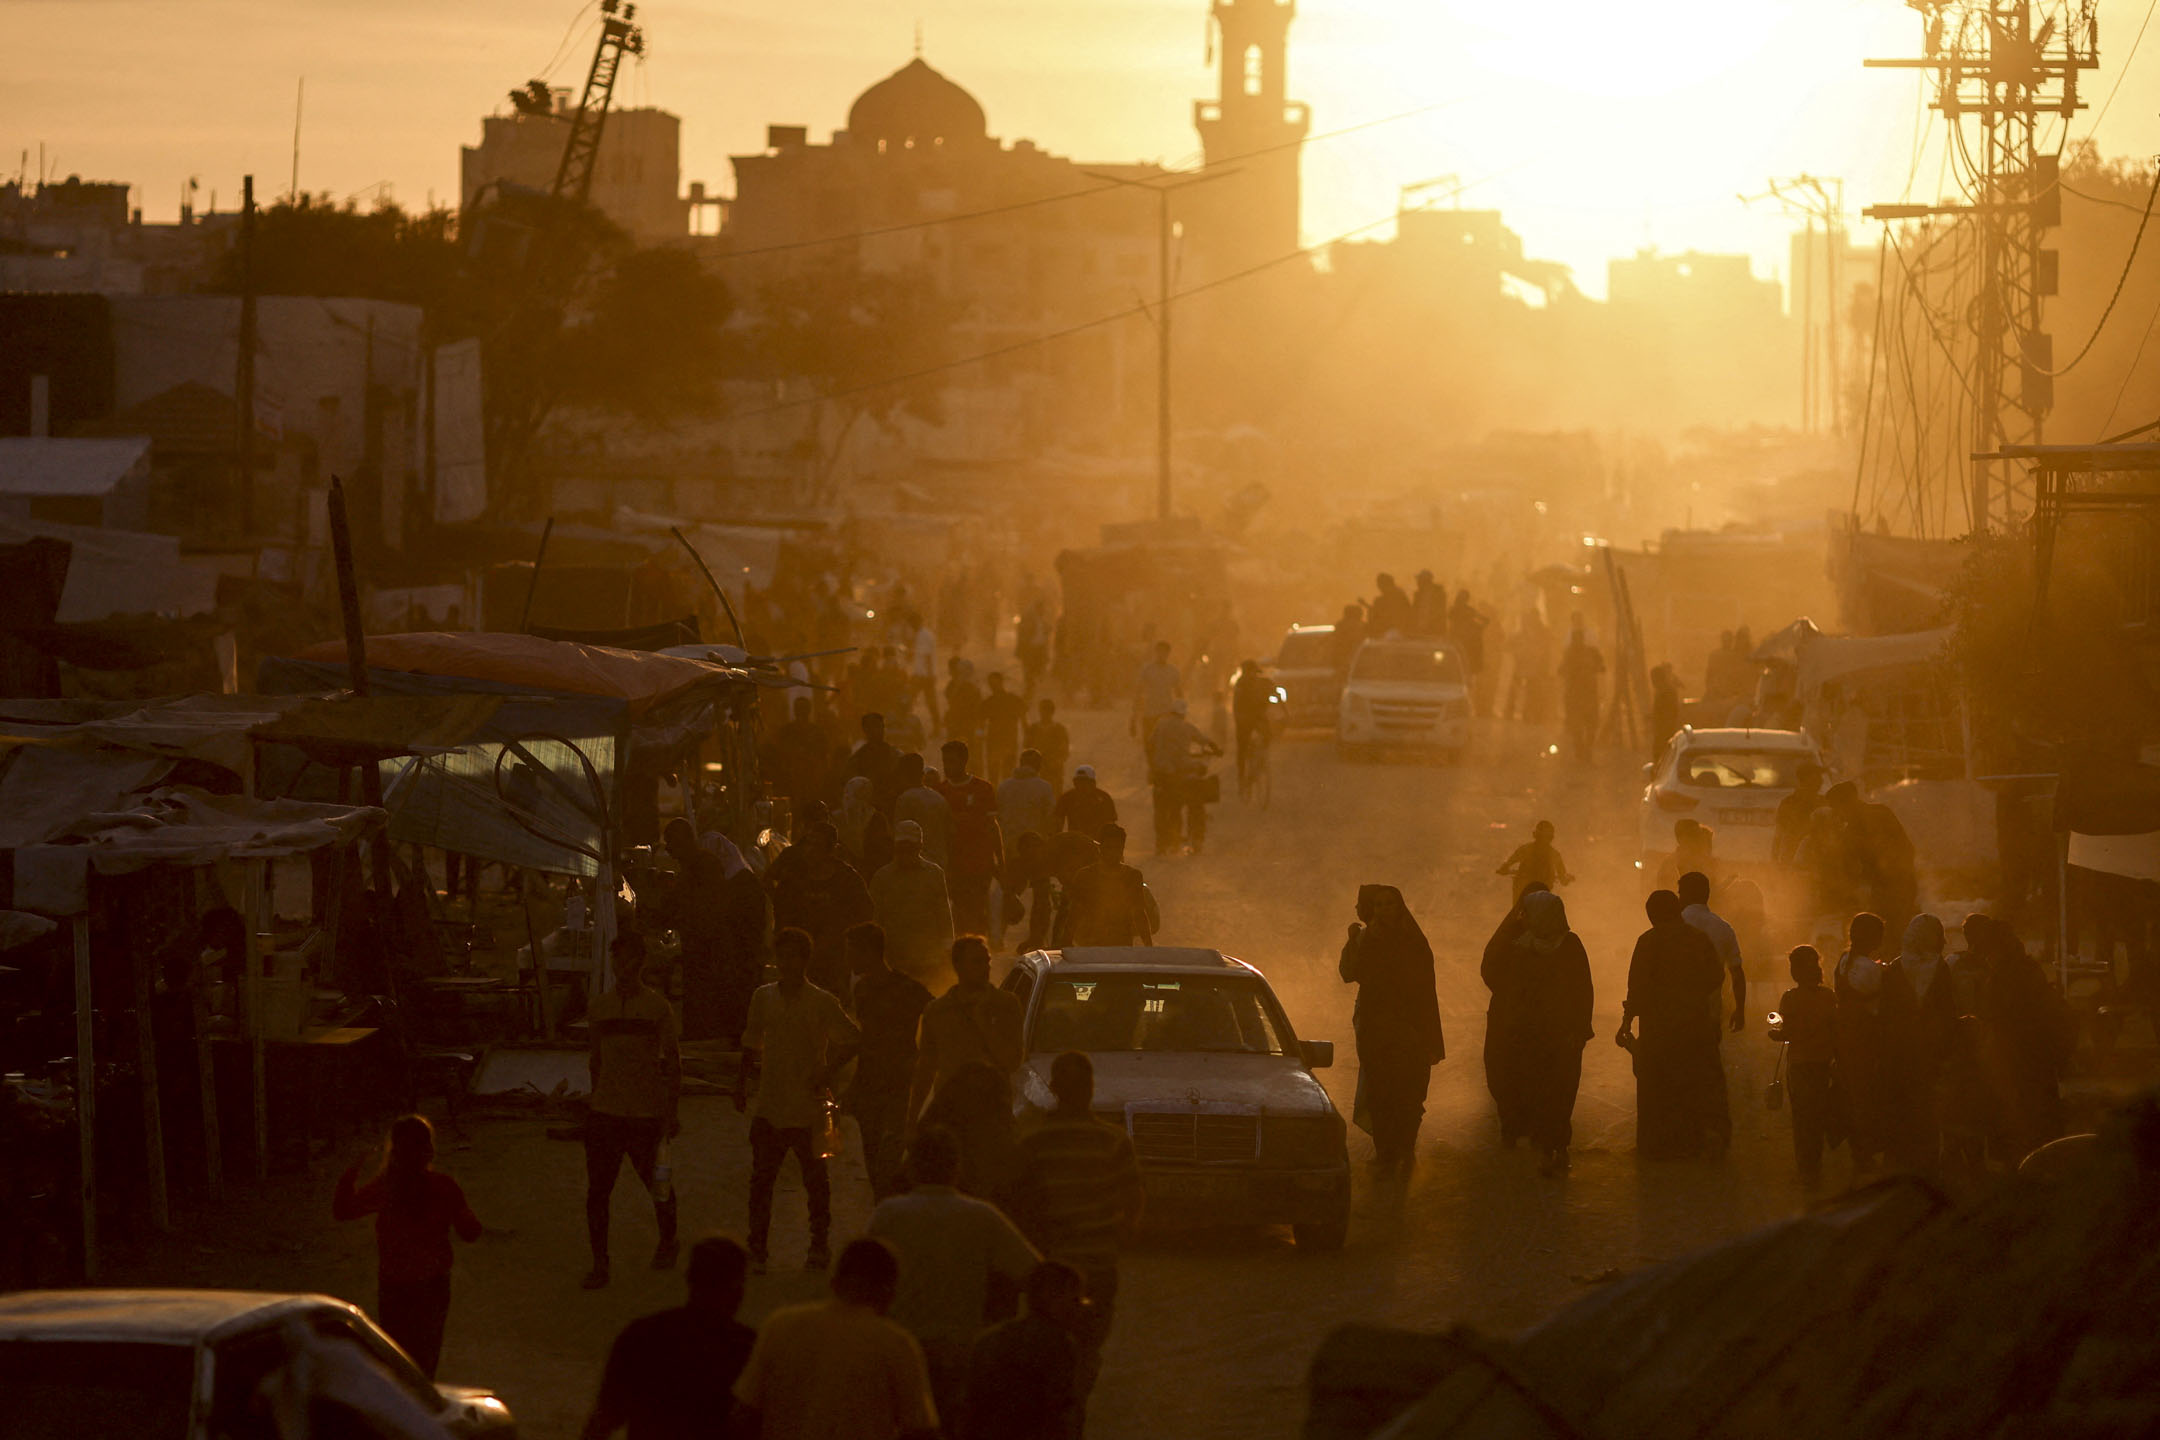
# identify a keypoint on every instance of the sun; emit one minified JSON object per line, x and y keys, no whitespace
{"x":1601,"y":48}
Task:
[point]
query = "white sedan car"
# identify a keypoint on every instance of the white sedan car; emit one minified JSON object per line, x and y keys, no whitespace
{"x":1731,"y":781}
{"x":1196,"y":1061}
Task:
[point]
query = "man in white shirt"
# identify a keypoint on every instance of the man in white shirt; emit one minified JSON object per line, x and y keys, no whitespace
{"x":796,"y":1038}
{"x":1695,"y":899}
{"x":948,"y":1245}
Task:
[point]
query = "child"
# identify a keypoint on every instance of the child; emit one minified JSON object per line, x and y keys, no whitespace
{"x":1810,"y":1033}
{"x":415,"y":1207}
{"x":1536,"y":863}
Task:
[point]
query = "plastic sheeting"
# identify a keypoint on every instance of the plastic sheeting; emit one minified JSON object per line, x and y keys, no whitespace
{"x":1824,"y":658}
{"x":541,"y":815}
{"x":46,"y":790}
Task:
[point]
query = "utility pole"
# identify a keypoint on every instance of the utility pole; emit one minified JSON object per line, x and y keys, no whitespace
{"x":2005,"y":63}
{"x":1162,"y":194}
{"x":1822,"y":377}
{"x":244,"y":375}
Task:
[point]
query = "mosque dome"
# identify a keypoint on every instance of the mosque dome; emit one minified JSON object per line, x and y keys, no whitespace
{"x":916,"y":105}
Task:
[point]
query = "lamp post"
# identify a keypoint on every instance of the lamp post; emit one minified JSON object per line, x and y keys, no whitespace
{"x":1162,"y":193}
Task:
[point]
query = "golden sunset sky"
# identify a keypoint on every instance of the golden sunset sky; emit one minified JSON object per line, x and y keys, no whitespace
{"x":1596,"y":127}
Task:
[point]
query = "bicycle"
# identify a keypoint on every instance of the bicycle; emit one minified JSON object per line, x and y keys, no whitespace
{"x":1256,"y":770}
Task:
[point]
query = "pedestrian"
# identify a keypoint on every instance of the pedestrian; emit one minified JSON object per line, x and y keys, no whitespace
{"x":2027,"y":1035}
{"x":815,"y":889}
{"x":975,"y":1105}
{"x":1003,"y":715}
{"x":1390,"y":612}
{"x":1580,"y":666}
{"x":1923,"y":1030}
{"x":1177,"y":775}
{"x":1397,"y":1022}
{"x":1664,"y":710}
{"x":1023,"y":1376}
{"x":1108,"y":902}
{"x":1694,"y":848}
{"x":1026,"y":803}
{"x":798,"y":1036}
{"x":1048,"y":737}
{"x":416,"y":1208}
{"x":799,"y":756}
{"x":671,"y":1375}
{"x":1858,"y":984}
{"x":949,"y":1246}
{"x":636,"y":1069}
{"x":1348,"y":634}
{"x":920,"y":802}
{"x":1086,"y":807}
{"x":1079,"y":1195}
{"x":1545,"y":973}
{"x":1428,"y":607}
{"x":1466,"y":634}
{"x":693,"y":906}
{"x":972,"y":1021}
{"x":1695,"y":909}
{"x":875,"y":760}
{"x":978,"y":846}
{"x":910,"y":898}
{"x":963,"y":704}
{"x":838,"y":1369}
{"x":1536,"y":863}
{"x":1673,"y":980}
{"x":888,"y":1012}
{"x":1796,"y":813}
{"x":1879,"y":852}
{"x":1809,"y":1013}
{"x":858,"y":807}
{"x":1504,"y":1056}
{"x":1158,"y":687}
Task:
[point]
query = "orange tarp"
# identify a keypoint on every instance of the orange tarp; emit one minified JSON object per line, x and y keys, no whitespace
{"x":562,"y":666}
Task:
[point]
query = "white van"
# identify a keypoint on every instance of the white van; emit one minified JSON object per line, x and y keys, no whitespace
{"x":1404,"y":694}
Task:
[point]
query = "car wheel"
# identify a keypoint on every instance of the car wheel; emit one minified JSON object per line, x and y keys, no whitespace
{"x":1328,"y":1234}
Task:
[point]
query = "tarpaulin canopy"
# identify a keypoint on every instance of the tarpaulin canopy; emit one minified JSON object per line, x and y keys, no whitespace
{"x":639,"y":679}
{"x":2099,"y":798}
{"x":179,"y":825}
{"x":45,"y":790}
{"x":1824,"y":658}
{"x":214,"y":728}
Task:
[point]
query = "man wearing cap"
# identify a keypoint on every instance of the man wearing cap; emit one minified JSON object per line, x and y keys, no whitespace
{"x":1175,"y":767}
{"x":911,"y":903}
{"x":1086,"y":807}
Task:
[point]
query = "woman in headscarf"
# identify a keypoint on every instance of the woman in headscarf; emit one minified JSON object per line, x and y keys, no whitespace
{"x":1920,"y":1020}
{"x":2026,"y":1037}
{"x":1673,"y":982}
{"x":1397,"y":1018}
{"x":1549,"y":973}
{"x":1504,"y":1058}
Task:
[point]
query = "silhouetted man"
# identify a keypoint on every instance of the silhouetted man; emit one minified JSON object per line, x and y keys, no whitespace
{"x":875,"y":760}
{"x":636,"y":1071}
{"x":797,"y":1037}
{"x":978,"y":846}
{"x":888,"y":1011}
{"x":670,"y":1374}
{"x":838,"y":1368}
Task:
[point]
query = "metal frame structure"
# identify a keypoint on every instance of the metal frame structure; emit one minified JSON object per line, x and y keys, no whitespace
{"x":2008,"y":63}
{"x":619,"y":36}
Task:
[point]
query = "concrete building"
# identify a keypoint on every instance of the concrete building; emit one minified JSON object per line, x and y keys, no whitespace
{"x":78,"y":236}
{"x":1251,"y":217}
{"x":637,"y":176}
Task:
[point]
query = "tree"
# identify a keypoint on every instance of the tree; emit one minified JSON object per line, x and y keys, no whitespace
{"x":871,"y":343}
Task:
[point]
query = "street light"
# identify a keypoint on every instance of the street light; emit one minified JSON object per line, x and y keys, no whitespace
{"x":1162,"y":193}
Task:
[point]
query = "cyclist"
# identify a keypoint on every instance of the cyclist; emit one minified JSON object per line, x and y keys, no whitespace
{"x":1177,"y":771}
{"x":1251,"y":693}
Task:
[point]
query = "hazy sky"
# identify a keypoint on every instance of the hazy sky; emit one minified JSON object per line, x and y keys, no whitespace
{"x":1596,"y":127}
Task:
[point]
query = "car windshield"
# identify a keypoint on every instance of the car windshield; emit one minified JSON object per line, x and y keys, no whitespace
{"x":1741,"y":769}
{"x":1306,"y":650}
{"x":1423,"y":663}
{"x":95,"y":1389}
{"x":1226,"y":1014}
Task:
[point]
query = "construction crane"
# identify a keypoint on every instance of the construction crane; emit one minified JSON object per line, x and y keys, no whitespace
{"x":619,"y":36}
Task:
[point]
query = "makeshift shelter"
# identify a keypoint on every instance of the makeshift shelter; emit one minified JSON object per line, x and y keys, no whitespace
{"x":1889,"y":1312}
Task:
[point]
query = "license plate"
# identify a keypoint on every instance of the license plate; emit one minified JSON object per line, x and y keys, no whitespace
{"x":1748,"y":817}
{"x":1185,"y":1189}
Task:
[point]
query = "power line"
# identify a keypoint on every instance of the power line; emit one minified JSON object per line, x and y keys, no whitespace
{"x":1063,"y":196}
{"x":1302,"y":252}
{"x":2124,"y":73}
{"x":2123,"y":278}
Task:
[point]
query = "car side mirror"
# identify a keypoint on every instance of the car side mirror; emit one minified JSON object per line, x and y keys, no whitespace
{"x":1649,"y":769}
{"x":1317,"y":1054}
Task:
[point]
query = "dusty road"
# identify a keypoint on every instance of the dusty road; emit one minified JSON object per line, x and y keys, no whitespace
{"x":1214,"y":1330}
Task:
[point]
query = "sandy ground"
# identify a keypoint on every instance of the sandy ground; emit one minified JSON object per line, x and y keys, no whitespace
{"x":1215,"y":1330}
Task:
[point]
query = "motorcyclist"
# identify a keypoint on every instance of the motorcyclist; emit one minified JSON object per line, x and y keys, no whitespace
{"x":1177,"y":772}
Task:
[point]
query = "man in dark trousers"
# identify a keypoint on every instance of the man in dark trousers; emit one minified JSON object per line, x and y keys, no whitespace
{"x":1086,"y":807}
{"x":1023,"y":1378}
{"x":1673,"y":981}
{"x":696,"y":906}
{"x":876,"y":761}
{"x":1080,"y":1195}
{"x":797,"y":1036}
{"x":888,"y":1011}
{"x":636,"y":1083}
{"x":1809,"y":1013}
{"x":671,"y":1374}
{"x":978,"y":845}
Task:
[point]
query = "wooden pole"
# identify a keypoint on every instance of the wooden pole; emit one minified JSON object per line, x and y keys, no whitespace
{"x":706,"y":571}
{"x":258,"y":1056}
{"x":86,"y":1094}
{"x":532,"y":586}
{"x":146,"y":1068}
{"x":206,"y":1081}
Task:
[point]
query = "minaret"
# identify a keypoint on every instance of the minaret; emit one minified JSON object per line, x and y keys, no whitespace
{"x":1253,"y":129}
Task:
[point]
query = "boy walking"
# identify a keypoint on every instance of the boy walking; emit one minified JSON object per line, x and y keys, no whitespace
{"x":1810,"y":1012}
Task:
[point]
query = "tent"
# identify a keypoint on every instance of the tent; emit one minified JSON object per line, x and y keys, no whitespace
{"x":1890,"y":1311}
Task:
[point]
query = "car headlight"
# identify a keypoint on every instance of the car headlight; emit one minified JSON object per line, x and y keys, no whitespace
{"x":1313,"y":1140}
